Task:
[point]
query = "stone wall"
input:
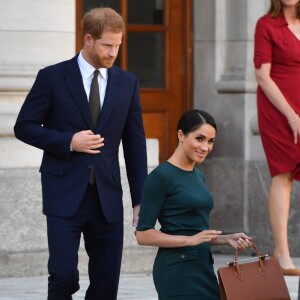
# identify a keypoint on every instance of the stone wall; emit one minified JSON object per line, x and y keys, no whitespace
{"x":240,"y":191}
{"x":39,"y":33}
{"x":224,"y":85}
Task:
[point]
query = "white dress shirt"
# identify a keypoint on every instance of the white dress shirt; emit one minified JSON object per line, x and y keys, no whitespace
{"x":87,"y":73}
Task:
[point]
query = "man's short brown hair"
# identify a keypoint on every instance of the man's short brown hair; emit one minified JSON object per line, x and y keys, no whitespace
{"x":102,"y":19}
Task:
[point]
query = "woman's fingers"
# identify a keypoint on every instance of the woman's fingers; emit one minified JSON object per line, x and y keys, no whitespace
{"x":243,"y":244}
{"x":205,"y":236}
{"x":211,"y":233}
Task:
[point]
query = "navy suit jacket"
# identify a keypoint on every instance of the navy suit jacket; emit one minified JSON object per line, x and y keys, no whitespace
{"x":55,"y":109}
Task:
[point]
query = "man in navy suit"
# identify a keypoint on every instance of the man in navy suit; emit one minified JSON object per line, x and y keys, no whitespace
{"x":56,"y":118}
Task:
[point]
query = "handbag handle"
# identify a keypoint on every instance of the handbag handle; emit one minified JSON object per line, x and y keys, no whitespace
{"x":261,"y":267}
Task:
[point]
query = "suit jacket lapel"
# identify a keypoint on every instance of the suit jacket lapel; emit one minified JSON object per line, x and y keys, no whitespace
{"x":111,"y":96}
{"x":74,"y":81}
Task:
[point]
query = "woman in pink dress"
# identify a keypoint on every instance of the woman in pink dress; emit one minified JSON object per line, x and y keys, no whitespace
{"x":277,"y":70}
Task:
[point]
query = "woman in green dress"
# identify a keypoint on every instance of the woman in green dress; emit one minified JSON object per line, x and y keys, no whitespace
{"x":175,"y":194}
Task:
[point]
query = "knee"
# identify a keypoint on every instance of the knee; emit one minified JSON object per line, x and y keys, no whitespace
{"x":68,"y":279}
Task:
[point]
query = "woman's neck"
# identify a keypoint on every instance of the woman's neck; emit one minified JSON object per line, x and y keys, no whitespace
{"x":181,"y":161}
{"x":290,"y":13}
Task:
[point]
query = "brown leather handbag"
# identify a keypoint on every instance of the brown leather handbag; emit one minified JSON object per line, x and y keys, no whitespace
{"x":245,"y":279}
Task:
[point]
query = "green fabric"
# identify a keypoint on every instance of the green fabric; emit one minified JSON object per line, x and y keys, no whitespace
{"x":181,"y":202}
{"x":185,"y":273}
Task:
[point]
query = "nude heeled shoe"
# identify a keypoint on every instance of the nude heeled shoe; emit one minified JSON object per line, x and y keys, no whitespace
{"x":289,"y":272}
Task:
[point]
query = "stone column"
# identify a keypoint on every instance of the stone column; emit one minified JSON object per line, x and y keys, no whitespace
{"x":236,"y":21}
{"x":34,"y":34}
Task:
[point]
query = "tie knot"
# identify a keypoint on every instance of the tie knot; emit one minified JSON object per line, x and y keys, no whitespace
{"x":96,"y":73}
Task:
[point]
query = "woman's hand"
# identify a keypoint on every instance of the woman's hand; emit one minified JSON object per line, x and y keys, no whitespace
{"x":276,"y":97}
{"x":295,"y":126}
{"x":204,"y":237}
{"x":239,"y":241}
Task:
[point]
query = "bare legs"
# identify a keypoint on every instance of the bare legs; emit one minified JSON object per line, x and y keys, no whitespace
{"x":279,"y":204}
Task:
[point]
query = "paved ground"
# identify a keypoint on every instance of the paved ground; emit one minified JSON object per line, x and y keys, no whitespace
{"x":132,"y":286}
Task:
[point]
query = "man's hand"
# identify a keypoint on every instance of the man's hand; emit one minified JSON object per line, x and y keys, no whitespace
{"x":86,"y":141}
{"x":136,"y":212}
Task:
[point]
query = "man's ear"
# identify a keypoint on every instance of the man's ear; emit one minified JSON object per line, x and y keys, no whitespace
{"x":87,"y":39}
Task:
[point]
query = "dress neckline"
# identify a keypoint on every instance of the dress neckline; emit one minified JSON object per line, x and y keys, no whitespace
{"x":180,"y":169}
{"x":287,"y":25}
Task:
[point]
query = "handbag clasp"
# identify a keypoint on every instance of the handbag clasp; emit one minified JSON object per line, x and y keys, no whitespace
{"x":232,"y":263}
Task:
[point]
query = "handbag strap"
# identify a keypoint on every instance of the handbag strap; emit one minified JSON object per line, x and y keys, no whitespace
{"x":261,"y":267}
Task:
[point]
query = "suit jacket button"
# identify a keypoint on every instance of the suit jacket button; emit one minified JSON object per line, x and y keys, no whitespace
{"x":183,"y":256}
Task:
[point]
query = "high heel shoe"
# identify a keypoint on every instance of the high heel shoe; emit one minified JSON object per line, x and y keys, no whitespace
{"x":290,"y":271}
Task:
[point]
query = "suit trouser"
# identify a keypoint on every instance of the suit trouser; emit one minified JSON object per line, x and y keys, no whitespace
{"x":103,"y":244}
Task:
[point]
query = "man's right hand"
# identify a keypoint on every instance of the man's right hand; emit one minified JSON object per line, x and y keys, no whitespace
{"x":86,"y":141}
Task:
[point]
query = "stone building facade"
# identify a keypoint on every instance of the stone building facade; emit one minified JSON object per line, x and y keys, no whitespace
{"x":36,"y":33}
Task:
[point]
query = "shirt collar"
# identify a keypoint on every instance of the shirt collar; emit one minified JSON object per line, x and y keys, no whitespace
{"x":280,"y":21}
{"x":87,"y":70}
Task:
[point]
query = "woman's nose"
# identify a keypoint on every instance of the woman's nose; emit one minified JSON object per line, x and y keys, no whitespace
{"x":204,"y":147}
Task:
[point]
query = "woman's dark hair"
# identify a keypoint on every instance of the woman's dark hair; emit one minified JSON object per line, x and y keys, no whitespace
{"x":191,"y":120}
